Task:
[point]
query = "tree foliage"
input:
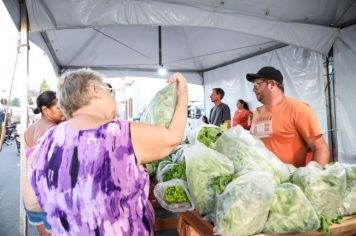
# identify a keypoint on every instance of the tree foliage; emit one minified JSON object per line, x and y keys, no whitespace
{"x":44,"y":86}
{"x":30,"y":101}
{"x":15,"y":102}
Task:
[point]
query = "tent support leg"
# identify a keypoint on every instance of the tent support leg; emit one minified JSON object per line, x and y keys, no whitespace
{"x":330,"y":101}
{"x":22,"y":71}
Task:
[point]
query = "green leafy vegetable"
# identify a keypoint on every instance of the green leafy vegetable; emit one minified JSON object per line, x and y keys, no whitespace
{"x":291,"y":211}
{"x":176,"y":172}
{"x":324,"y":188}
{"x":220,"y":182}
{"x":242,"y":208}
{"x":161,"y":108}
{"x":186,"y":141}
{"x":349,"y":203}
{"x":150,"y":169}
{"x":202,"y":166}
{"x":325,"y":223}
{"x":249,"y":153}
{"x":152,"y":166}
{"x":175,"y":194}
{"x":209,"y":134}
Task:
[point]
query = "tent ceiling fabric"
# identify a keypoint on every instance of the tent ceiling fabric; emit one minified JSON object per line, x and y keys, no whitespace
{"x":47,"y":15}
{"x":197,"y":35}
{"x":135,"y":47}
{"x":319,"y":12}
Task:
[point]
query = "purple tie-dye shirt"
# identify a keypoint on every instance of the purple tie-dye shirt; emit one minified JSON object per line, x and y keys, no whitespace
{"x":89,"y":182}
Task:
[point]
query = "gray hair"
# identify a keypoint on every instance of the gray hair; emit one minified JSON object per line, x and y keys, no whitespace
{"x":73,"y":91}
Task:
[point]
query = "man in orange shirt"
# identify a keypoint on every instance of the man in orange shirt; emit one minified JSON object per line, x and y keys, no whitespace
{"x":286,"y":126}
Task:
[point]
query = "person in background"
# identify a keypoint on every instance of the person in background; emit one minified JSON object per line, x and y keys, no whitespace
{"x":51,"y":115}
{"x":286,"y":126}
{"x":243,"y":115}
{"x":205,"y":119}
{"x":220,"y":112}
{"x":88,"y":173}
{"x":2,"y":114}
{"x":2,"y":110}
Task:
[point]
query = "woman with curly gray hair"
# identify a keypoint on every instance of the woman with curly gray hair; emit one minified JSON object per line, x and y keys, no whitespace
{"x":89,"y":172}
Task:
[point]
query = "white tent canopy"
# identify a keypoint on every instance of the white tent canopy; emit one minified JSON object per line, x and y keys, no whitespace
{"x":197,"y":35}
{"x":207,"y":40}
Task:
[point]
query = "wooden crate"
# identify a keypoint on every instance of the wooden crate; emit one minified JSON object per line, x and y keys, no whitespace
{"x":346,"y":228}
{"x":192,"y":224}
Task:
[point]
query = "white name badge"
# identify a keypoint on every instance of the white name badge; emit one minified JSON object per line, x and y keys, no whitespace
{"x":262,"y":129}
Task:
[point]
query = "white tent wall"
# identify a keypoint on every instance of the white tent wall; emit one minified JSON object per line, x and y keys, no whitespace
{"x":303,"y":73}
{"x":345,"y":84}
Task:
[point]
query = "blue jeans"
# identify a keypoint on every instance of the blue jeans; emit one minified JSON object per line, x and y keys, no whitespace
{"x":2,"y":117}
{"x":38,"y":218}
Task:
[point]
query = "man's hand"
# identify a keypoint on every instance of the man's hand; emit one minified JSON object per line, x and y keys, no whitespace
{"x":228,"y":122}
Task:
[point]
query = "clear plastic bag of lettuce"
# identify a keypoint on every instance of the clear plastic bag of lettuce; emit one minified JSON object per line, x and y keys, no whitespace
{"x":208,"y":134}
{"x":242,"y":208}
{"x":291,"y":211}
{"x":173,"y":195}
{"x":202,"y":166}
{"x":161,"y":108}
{"x":191,"y":129}
{"x":178,"y":153}
{"x":248,"y":152}
{"x":153,"y":166}
{"x":172,"y":171}
{"x":161,"y":166}
{"x":324,"y":188}
{"x":348,"y":206}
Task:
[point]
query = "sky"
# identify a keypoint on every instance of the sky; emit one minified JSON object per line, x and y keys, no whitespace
{"x":40,"y":67}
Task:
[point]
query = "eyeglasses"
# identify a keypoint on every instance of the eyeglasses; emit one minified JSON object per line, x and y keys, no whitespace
{"x":105,"y":87}
{"x":257,"y":83}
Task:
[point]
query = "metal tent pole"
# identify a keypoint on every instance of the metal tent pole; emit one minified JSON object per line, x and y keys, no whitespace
{"x":22,"y":71}
{"x":160,"y":46}
{"x":331,"y":109}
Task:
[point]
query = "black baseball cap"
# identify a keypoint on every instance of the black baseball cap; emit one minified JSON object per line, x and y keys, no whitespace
{"x":267,"y":72}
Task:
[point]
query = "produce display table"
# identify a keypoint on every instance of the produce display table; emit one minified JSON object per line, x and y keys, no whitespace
{"x":192,"y":224}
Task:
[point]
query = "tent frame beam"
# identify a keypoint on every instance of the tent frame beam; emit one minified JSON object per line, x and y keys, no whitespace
{"x":347,"y":24}
{"x":280,"y":45}
{"x":65,"y":68}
